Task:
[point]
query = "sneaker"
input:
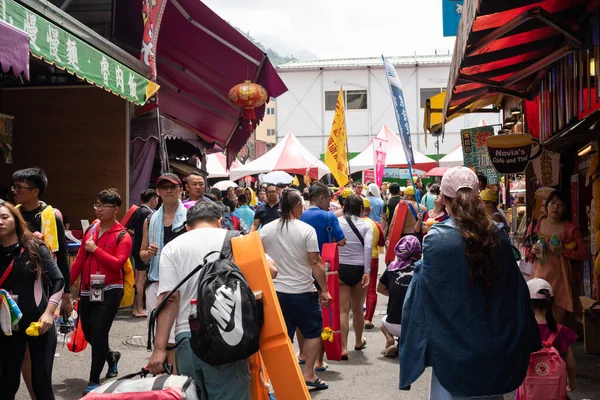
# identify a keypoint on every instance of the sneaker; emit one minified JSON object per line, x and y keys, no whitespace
{"x":91,"y":386}
{"x":112,"y":359}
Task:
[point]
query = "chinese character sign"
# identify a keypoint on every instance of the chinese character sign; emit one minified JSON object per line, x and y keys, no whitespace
{"x":56,"y":46}
{"x":336,"y":156}
{"x":475,"y":152}
{"x":380,"y":153}
{"x":451,"y":11}
{"x":546,"y":168}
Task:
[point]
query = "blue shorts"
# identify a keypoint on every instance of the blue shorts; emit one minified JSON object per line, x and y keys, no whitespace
{"x":301,"y":311}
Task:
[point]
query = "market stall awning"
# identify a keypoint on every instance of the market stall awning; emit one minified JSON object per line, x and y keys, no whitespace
{"x":15,"y":50}
{"x":216,"y":165}
{"x":455,"y":158}
{"x":502,"y":46}
{"x":200,"y":57}
{"x":288,"y":155}
{"x":67,"y":51}
{"x":395,"y":155}
{"x":434,"y":108}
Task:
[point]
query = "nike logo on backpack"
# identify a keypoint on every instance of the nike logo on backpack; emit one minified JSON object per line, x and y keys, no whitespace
{"x":227,"y":311}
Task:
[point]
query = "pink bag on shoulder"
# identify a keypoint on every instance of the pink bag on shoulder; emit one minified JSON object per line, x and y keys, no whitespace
{"x":547,"y":374}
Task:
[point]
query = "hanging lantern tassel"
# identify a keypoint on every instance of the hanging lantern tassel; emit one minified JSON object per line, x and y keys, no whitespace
{"x":249,"y":115}
{"x":248,"y":96}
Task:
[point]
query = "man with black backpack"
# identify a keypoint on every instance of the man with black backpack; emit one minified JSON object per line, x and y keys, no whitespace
{"x":216,"y":353}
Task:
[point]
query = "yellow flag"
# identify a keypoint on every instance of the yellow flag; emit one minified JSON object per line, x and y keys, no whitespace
{"x":336,"y":157}
{"x":296,"y":181}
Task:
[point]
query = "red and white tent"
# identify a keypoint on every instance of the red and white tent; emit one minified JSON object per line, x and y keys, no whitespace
{"x":288,"y":155}
{"x":216,"y":165}
{"x":453,"y":159}
{"x":395,"y":157}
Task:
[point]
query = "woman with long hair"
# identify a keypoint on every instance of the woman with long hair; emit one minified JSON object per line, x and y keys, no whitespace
{"x":29,"y":274}
{"x":552,"y":262}
{"x":355,"y":271}
{"x":467,"y":312}
{"x":294,"y":247}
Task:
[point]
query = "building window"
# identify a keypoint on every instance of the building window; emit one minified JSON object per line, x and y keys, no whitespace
{"x":331,"y":100}
{"x":270,"y":111}
{"x":356,"y":100}
{"x":353,"y":99}
{"x":270,"y":132}
{"x":427,"y":93}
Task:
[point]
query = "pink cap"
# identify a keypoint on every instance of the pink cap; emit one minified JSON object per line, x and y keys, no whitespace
{"x":458,"y":178}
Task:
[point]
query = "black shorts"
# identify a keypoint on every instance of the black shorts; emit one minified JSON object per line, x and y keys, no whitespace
{"x":351,"y":275}
{"x":139,"y":265}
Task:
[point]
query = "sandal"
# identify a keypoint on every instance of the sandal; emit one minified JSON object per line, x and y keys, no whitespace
{"x":318,"y":384}
{"x":362,"y":345}
{"x":322,"y":368}
{"x":344,"y":357}
{"x":140,"y":315}
{"x":369,"y":325}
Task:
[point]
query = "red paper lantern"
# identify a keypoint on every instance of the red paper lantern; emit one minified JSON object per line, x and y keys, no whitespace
{"x":248,"y":95}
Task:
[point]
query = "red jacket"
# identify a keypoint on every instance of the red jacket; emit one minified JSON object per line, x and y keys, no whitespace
{"x":108,"y":259}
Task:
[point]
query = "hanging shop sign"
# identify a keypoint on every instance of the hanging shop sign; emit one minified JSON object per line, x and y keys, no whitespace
{"x":510,"y":154}
{"x":451,"y":12}
{"x":546,"y":168}
{"x":58,"y":47}
{"x":475,"y":152}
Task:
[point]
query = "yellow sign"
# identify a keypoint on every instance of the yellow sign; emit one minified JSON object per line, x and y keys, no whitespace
{"x":336,"y":156}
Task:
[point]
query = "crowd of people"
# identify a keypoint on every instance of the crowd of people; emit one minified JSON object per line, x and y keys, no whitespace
{"x":452,"y":273}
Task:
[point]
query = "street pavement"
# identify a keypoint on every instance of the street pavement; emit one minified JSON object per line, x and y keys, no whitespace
{"x":366,"y":375}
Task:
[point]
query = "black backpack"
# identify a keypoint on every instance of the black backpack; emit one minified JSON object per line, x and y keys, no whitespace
{"x":228,"y":318}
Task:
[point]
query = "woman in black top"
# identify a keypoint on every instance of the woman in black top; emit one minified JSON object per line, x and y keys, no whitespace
{"x":35,"y":282}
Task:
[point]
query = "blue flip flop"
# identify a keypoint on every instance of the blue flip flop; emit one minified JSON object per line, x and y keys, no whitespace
{"x":323,"y":368}
{"x":318,"y":384}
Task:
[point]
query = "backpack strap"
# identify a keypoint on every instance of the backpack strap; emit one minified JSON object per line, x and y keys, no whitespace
{"x":355,"y":230}
{"x":121,"y":234}
{"x":159,"y":383}
{"x":226,"y":251}
{"x":552,"y":338}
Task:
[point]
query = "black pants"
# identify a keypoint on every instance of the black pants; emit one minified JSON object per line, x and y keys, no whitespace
{"x":96,"y":321}
{"x":41,"y":350}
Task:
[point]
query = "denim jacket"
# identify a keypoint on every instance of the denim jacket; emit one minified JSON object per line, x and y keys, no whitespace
{"x":477,"y":339}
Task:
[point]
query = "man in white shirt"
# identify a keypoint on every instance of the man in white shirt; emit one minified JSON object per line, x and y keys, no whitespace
{"x":179,"y":257}
{"x":294,"y":247}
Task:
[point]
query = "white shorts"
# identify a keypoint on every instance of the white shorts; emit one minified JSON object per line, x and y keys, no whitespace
{"x":393,"y":329}
{"x":151,"y":303}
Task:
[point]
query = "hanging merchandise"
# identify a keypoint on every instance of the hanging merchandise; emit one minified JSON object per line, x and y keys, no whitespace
{"x":547,"y":168}
{"x":6,"y":139}
{"x":248,"y":95}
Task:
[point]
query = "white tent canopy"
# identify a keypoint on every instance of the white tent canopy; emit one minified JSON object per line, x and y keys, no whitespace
{"x":216,"y":165}
{"x":453,"y":159}
{"x":395,"y":155}
{"x":288,"y":155}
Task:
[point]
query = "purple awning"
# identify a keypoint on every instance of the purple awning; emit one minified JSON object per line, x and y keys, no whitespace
{"x":15,"y":50}
{"x":199,"y":58}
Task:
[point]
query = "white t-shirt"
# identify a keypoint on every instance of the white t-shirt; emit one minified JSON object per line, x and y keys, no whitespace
{"x":179,"y":257}
{"x":289,"y":247}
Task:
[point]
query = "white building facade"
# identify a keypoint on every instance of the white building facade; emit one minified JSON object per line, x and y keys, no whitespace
{"x":308,"y":107}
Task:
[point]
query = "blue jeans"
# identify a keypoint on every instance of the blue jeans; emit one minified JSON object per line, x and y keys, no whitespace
{"x":438,"y":392}
{"x":225,"y":382}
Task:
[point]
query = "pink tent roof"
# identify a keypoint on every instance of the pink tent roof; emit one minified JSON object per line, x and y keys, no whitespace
{"x":288,"y":155}
{"x":199,"y":58}
{"x":395,"y":155}
{"x":216,"y":165}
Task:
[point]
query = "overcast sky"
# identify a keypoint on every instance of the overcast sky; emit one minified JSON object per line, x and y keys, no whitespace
{"x":343,"y":28}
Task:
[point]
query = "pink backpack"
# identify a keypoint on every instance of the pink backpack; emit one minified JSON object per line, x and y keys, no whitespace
{"x":547,"y":374}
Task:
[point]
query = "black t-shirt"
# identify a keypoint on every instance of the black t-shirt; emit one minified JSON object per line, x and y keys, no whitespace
{"x":397,"y":283}
{"x":170,"y":235}
{"x":390,"y":208}
{"x":266,"y":213}
{"x":33,"y":219}
{"x":137,"y":226}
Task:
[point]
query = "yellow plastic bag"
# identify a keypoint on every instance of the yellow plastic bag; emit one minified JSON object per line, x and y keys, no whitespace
{"x":128,"y":285}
